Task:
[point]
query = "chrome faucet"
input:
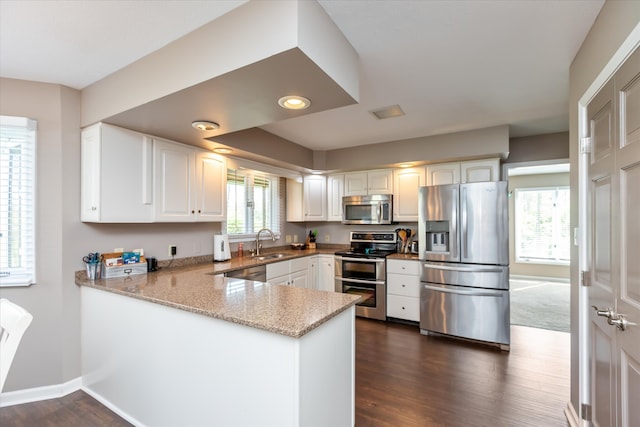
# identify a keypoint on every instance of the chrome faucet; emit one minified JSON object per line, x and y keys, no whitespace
{"x":258,"y":246}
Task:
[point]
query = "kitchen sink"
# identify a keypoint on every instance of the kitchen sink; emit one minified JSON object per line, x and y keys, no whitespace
{"x":269,"y":256}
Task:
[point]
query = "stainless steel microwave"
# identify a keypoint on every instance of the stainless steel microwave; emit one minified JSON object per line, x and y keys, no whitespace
{"x":371,"y":209}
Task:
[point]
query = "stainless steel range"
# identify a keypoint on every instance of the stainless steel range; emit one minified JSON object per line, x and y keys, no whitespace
{"x":361,"y":271}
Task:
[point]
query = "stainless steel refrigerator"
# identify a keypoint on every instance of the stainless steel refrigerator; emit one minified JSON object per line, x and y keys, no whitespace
{"x":464,"y":253}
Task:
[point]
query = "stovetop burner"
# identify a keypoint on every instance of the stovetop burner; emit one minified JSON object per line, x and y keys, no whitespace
{"x":370,"y":244}
{"x":365,"y":254}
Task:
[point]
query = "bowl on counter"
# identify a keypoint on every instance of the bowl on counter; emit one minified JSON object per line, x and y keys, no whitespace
{"x":298,"y":246}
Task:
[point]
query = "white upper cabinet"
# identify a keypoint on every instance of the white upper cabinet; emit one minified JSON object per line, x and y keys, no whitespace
{"x":116,"y":175}
{"x":211,"y":185}
{"x":462,"y":172}
{"x":307,"y":201}
{"x":406,"y":183}
{"x":295,"y":210}
{"x":480,"y":170}
{"x":443,"y":173}
{"x":315,"y":198}
{"x":190,"y":184}
{"x":370,"y":182}
{"x":335,"y":191}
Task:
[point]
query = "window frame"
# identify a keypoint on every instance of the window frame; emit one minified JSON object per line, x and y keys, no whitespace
{"x":26,"y":274}
{"x":556,"y":227}
{"x":275,"y":223}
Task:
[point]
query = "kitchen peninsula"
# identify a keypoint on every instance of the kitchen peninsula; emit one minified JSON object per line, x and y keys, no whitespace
{"x":185,"y":346}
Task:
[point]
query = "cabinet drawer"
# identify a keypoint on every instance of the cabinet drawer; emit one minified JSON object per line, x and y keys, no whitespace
{"x":401,"y":307}
{"x":401,"y":284}
{"x":277,"y":269}
{"x":298,"y":264}
{"x":402,"y":266}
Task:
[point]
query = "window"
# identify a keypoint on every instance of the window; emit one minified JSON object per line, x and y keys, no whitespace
{"x":252,"y":203}
{"x":542,"y":232}
{"x":17,"y":194}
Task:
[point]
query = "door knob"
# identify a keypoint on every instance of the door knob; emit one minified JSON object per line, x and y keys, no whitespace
{"x":620,"y":322}
{"x":608,"y":312}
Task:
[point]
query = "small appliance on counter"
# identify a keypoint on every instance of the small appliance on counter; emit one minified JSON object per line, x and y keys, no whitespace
{"x":221,"y":251}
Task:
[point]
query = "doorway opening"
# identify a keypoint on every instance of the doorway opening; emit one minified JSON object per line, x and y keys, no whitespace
{"x":539,"y":244}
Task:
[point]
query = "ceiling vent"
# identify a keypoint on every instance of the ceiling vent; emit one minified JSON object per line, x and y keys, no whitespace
{"x":388,"y":112}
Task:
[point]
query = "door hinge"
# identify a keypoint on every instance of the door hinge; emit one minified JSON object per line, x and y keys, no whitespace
{"x":585,"y":278}
{"x":585,"y":145}
{"x":586,"y":412}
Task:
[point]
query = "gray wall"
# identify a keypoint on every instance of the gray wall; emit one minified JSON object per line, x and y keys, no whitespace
{"x":614,"y":24}
{"x":529,"y":269}
{"x":50,"y":351}
{"x":539,"y":147}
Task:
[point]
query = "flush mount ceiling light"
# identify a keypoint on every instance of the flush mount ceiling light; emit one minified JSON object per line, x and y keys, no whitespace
{"x":205,"y":125}
{"x":223,"y":150}
{"x":388,"y":112}
{"x":294,"y":102}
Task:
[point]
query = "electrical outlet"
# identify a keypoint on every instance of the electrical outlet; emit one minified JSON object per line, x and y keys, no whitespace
{"x":287,"y":239}
{"x":295,"y":238}
{"x":173,"y":250}
{"x":327,"y":238}
{"x":118,"y":250}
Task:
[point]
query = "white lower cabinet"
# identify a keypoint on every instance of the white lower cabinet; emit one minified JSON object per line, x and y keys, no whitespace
{"x":290,"y":273}
{"x":403,"y":289}
{"x":321,"y":272}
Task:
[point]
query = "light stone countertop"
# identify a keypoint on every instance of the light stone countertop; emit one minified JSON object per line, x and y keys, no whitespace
{"x":284,"y":310}
{"x":412,"y":257}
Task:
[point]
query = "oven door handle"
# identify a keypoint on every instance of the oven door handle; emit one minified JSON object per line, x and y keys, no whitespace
{"x":369,"y":260}
{"x":367,"y":282}
{"x":475,"y":293}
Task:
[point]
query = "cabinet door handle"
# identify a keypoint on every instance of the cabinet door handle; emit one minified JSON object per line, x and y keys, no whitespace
{"x":193,"y":212}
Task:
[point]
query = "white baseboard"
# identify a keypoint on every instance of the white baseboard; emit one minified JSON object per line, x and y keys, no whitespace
{"x":113,"y":407}
{"x":39,"y":393}
{"x":572,"y":416}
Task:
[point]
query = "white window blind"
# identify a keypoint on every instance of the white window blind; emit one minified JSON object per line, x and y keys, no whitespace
{"x":17,"y":200}
{"x":252,"y":203}
{"x":542,"y":232}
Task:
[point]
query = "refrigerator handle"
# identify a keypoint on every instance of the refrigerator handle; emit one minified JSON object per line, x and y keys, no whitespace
{"x":463,"y":222}
{"x":465,"y":269}
{"x":475,"y":293}
{"x":454,"y":239}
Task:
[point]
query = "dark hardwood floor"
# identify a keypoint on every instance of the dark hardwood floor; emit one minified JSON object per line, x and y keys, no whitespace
{"x":77,"y":409}
{"x":407,"y":379}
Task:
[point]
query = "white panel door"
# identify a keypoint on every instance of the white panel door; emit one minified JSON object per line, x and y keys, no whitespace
{"x":614,"y":271}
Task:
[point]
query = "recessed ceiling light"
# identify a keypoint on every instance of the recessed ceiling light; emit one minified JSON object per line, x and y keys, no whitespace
{"x":223,"y":150}
{"x":405,"y":165}
{"x":205,"y":125}
{"x":294,"y":102}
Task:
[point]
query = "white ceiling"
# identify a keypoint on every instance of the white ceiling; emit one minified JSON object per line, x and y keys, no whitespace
{"x":451,"y":65}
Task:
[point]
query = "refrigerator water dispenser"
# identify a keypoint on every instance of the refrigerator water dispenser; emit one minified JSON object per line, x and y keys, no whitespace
{"x":437,"y":237}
